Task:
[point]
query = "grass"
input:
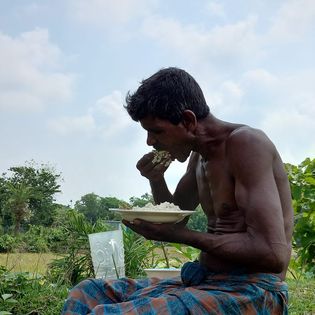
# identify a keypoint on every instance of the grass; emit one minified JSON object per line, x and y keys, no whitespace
{"x":35,"y":263}
{"x":40,"y":297}
{"x":301,"y":297}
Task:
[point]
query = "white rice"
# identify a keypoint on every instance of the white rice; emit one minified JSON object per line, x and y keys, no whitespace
{"x":162,"y":157}
{"x":164,"y":206}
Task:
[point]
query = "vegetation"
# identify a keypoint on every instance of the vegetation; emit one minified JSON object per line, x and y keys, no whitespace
{"x":302,"y":180}
{"x":21,"y":293}
{"x":94,"y":207}
{"x":27,"y":196}
{"x":32,"y":222}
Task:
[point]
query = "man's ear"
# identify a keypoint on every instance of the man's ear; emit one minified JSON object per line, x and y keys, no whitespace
{"x":189,"y":120}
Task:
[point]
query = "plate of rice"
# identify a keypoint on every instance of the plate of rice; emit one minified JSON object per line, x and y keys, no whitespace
{"x":162,"y":213}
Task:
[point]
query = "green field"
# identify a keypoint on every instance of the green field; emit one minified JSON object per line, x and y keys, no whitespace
{"x":30,"y":262}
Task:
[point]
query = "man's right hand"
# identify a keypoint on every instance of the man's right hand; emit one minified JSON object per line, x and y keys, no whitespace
{"x":152,"y":171}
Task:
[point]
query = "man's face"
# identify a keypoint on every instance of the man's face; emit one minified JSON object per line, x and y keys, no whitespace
{"x":163,"y":135}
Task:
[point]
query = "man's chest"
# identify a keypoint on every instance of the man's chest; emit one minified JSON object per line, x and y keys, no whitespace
{"x":215,"y":187}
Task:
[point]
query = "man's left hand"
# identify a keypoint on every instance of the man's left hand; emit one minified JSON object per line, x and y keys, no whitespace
{"x":164,"y":232}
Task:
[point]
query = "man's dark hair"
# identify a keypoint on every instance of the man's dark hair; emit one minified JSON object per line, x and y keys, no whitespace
{"x":165,"y":95}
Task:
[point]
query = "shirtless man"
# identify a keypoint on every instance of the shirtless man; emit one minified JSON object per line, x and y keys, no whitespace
{"x":236,"y":174}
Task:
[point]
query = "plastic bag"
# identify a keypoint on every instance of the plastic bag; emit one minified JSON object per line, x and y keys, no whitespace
{"x":107,"y":251}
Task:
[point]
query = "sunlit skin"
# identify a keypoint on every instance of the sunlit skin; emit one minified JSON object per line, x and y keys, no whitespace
{"x":237,"y":175}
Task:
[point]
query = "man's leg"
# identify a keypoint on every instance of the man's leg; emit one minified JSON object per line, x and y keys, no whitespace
{"x":92,"y":292}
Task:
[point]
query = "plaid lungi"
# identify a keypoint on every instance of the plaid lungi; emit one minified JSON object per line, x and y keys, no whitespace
{"x":217,"y":294}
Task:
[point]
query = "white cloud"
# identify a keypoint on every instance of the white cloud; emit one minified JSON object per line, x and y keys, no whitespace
{"x":216,"y":8}
{"x":110,"y":114}
{"x":293,"y":20}
{"x":216,"y":46}
{"x":73,"y":125}
{"x":281,"y":105}
{"x":292,"y":130}
{"x":226,"y":100}
{"x":31,"y":76}
{"x":260,"y":76}
{"x":106,"y":13}
{"x":107,"y":117}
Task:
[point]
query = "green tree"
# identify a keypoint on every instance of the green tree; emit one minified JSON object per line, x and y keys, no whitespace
{"x":142,"y":201}
{"x":44,"y":180}
{"x":40,"y":183}
{"x":5,"y":219}
{"x":94,"y":207}
{"x":18,"y":202}
{"x":302,"y":181}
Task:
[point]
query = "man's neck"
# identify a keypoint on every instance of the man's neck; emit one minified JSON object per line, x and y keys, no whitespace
{"x":211,"y":132}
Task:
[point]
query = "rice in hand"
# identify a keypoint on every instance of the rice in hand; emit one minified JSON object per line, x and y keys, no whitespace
{"x":162,"y":157}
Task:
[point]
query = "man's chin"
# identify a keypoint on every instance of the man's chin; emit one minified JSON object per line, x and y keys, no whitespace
{"x":182,"y":159}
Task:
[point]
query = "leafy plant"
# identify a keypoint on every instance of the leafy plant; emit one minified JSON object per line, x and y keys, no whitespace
{"x":302,"y":181}
{"x":187,"y":252}
{"x":77,"y":264}
{"x":6,"y":301}
{"x":7,"y":243}
{"x":163,"y":258}
{"x":198,"y":220}
{"x":35,"y":239}
{"x":137,"y":253}
{"x":22,"y":293}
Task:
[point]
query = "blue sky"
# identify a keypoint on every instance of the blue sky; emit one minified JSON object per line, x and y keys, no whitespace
{"x":66,"y":66}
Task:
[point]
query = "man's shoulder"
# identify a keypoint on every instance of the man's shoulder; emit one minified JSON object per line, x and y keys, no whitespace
{"x":246,"y":142}
{"x":247,"y":137}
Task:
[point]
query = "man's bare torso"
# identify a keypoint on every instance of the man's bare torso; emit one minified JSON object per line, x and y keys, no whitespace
{"x":216,"y":192}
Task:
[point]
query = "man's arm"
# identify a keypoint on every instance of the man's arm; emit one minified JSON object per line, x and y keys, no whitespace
{"x":263,"y":244}
{"x":186,"y":193}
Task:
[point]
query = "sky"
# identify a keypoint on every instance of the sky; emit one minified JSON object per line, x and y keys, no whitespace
{"x":67,"y":65}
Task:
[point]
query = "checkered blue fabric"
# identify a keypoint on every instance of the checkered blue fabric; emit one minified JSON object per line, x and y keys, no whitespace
{"x":230,"y":294}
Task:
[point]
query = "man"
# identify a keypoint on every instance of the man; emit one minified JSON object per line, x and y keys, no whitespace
{"x":236,"y":174}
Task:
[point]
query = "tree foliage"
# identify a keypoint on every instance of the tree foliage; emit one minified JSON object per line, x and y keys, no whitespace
{"x":142,"y":201}
{"x":27,"y":193}
{"x":94,"y":207}
{"x":19,"y":195}
{"x":302,"y":181}
{"x":198,"y":220}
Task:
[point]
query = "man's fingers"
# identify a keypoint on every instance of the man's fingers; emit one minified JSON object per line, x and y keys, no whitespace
{"x":152,"y":171}
{"x":146,"y":159}
{"x":147,"y":168}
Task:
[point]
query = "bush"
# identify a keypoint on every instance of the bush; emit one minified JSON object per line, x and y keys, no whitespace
{"x":21,"y":293}
{"x":77,"y":264}
{"x":302,"y":181}
{"x":57,"y":239}
{"x":137,"y":250}
{"x":7,"y":243}
{"x":198,"y":221}
{"x":34,"y":240}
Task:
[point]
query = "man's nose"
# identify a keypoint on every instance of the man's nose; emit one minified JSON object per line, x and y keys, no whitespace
{"x":150,"y":140}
